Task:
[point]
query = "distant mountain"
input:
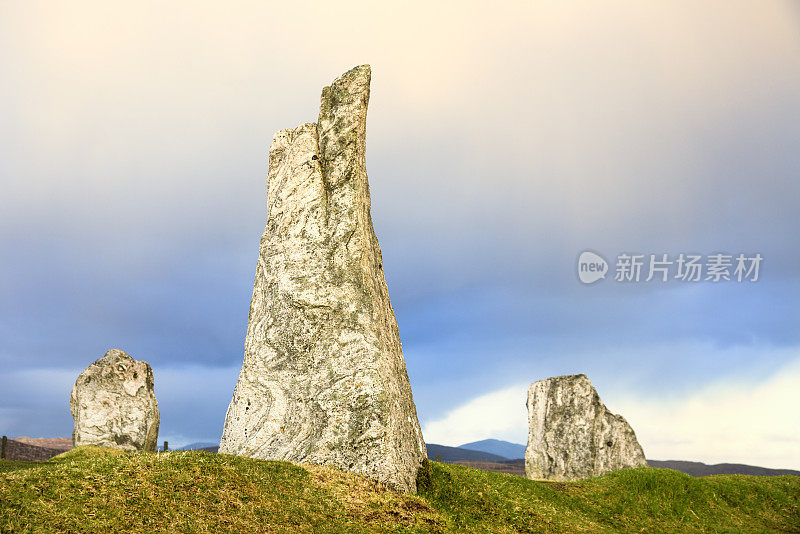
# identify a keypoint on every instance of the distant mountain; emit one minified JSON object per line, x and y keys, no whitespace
{"x":512,"y":451}
{"x":699,"y":469}
{"x":198,"y":446}
{"x":455,"y":454}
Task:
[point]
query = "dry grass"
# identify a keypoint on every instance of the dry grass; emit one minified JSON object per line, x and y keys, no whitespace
{"x":102,"y":490}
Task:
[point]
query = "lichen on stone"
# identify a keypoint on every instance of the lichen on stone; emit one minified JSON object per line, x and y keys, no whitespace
{"x":572,"y":435}
{"x":113,"y":404}
{"x":323,"y":369}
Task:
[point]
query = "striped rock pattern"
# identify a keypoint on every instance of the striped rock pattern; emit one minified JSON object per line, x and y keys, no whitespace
{"x":324,"y":380}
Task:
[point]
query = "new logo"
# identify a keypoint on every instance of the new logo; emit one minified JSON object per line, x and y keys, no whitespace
{"x":591,"y":267}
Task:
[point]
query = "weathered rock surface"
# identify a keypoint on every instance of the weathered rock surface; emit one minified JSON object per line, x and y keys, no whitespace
{"x":114,"y":405}
{"x":572,"y":435}
{"x":324,"y":380}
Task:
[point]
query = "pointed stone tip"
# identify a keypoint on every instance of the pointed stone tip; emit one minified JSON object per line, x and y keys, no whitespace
{"x":343,"y":113}
{"x":579,"y":376}
{"x":111,"y":353}
{"x":361,"y":73}
{"x":362,"y":70}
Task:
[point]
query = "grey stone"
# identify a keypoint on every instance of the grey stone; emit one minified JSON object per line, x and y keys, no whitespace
{"x":572,"y":435}
{"x":323,"y":379}
{"x":114,"y":404}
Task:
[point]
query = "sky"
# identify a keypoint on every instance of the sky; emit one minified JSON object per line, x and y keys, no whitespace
{"x":504,"y":139}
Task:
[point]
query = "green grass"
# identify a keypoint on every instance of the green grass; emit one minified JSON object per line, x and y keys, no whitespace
{"x":101,"y":490}
{"x":11,"y":465}
{"x":632,"y":500}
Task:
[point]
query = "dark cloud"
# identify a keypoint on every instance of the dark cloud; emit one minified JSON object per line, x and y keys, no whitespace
{"x":134,"y":190}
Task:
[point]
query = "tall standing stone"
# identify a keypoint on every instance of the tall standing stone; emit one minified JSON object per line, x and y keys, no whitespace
{"x":113,"y":403}
{"x":324,"y":380}
{"x":572,"y":435}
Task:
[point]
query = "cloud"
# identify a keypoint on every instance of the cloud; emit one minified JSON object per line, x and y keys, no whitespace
{"x":192,"y":401}
{"x":735,"y":420}
{"x":500,"y":414}
{"x":504,"y":138}
{"x":35,"y":402}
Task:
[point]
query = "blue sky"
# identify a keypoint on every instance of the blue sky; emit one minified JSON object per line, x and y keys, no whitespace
{"x":502,"y":142}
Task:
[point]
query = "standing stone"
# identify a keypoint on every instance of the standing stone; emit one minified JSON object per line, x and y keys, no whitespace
{"x":324,"y":380}
{"x":572,"y":435}
{"x":114,"y":405}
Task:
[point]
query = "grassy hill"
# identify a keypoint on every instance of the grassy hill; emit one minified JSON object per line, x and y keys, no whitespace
{"x":98,"y":490}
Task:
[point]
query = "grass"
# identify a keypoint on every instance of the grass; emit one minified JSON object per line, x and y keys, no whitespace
{"x":632,"y":500}
{"x":97,"y":490}
{"x":11,"y":465}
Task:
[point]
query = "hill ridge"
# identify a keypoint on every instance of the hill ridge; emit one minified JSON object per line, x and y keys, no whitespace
{"x":106,"y":490}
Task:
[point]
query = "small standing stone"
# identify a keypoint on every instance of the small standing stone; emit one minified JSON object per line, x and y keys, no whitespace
{"x":114,"y":405}
{"x":572,"y":435}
